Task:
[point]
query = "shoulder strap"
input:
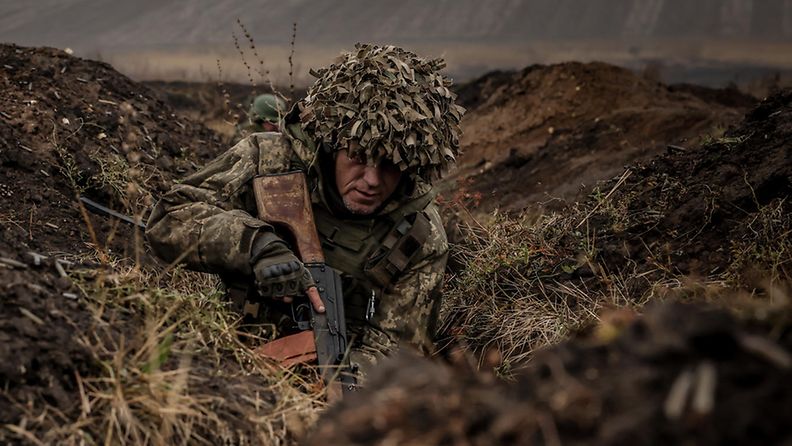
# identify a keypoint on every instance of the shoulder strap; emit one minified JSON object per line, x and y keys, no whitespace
{"x":275,"y":153}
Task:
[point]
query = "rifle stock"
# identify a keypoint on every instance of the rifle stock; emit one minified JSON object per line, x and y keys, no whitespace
{"x":283,"y":200}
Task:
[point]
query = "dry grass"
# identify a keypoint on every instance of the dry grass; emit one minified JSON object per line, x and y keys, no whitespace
{"x":170,"y":367}
{"x":521,"y":284}
{"x":765,"y":249}
{"x":517,"y":290}
{"x":166,"y":360}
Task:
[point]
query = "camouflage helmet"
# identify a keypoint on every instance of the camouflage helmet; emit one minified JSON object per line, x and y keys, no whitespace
{"x":396,"y":105}
{"x":267,"y":107}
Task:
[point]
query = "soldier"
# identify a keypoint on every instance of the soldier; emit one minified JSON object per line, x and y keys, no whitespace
{"x":265,"y":113}
{"x":373,"y":133}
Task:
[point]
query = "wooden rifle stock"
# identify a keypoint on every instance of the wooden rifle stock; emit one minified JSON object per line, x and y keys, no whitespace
{"x":284,"y":201}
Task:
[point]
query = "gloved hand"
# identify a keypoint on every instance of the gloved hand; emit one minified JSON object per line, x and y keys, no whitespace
{"x":278,"y":272}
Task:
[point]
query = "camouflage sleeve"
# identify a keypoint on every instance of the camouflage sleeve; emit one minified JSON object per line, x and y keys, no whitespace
{"x":205,"y":221}
{"x":408,"y":311}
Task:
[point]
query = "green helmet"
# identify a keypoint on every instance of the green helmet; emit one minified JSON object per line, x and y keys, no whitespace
{"x":266,"y":107}
{"x":396,"y":105}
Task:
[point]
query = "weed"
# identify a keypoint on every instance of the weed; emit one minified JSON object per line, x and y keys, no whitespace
{"x":764,"y":245}
{"x":171,"y":368}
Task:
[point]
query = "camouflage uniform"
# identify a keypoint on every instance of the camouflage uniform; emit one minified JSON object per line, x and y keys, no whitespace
{"x":208,"y":221}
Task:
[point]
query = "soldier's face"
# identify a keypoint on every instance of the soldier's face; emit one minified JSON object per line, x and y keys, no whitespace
{"x":364,"y":188}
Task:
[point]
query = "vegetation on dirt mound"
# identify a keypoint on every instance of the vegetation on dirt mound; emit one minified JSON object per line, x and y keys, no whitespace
{"x":99,"y":344}
{"x":550,"y":132}
{"x":681,"y":374}
{"x":717,"y":216}
{"x":72,"y":126}
{"x":221,"y":106}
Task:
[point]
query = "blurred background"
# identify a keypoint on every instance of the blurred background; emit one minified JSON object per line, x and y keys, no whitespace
{"x":708,"y":42}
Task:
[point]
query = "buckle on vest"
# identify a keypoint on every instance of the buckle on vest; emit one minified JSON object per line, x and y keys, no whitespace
{"x":370,"y":307}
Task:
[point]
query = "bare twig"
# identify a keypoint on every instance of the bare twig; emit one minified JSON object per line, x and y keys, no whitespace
{"x":12,"y":263}
{"x":624,"y":177}
{"x":766,"y":349}
{"x":291,"y":61}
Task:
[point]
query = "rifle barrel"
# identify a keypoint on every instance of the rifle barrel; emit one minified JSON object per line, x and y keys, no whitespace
{"x":97,"y":208}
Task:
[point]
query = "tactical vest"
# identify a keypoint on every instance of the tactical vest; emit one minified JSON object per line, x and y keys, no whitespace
{"x":370,"y":254}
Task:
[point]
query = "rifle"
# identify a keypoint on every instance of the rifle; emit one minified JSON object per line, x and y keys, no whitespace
{"x":98,"y":209}
{"x":283,"y":200}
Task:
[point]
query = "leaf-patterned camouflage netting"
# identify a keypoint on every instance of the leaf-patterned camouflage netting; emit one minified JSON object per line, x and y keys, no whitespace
{"x":395,"y":104}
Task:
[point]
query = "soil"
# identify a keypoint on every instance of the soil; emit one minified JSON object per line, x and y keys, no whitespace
{"x":60,"y":116}
{"x":219,"y":106}
{"x":39,"y":349}
{"x":547,"y":134}
{"x":63,"y":116}
{"x":682,"y":374}
{"x":691,"y":211}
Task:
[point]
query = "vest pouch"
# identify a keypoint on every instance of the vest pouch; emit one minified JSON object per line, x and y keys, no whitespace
{"x":398,"y":249}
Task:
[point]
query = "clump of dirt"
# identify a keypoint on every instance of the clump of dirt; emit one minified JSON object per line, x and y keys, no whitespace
{"x":682,"y":374}
{"x":551,"y":132}
{"x":39,"y":355}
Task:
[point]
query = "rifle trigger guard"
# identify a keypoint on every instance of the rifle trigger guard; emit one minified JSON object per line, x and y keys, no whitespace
{"x":299,"y":312}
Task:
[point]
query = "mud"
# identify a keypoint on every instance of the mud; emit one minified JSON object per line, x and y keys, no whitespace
{"x":682,"y":374}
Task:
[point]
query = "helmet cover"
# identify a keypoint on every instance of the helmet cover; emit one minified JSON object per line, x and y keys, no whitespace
{"x":396,"y":105}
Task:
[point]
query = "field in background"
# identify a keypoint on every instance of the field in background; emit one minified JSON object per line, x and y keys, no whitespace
{"x":710,"y":63}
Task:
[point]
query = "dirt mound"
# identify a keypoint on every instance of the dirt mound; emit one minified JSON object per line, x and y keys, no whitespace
{"x":682,"y":374}
{"x":554,"y":131}
{"x":473,"y":94}
{"x":95,"y":343}
{"x":688,"y":223}
{"x":219,"y":106}
{"x":70,"y":125}
{"x":730,"y":96}
{"x":718,"y":209}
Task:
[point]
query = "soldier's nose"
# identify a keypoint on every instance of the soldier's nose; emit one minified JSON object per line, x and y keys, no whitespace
{"x":372,"y":176}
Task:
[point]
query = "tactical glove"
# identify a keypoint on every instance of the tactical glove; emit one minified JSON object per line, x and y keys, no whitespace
{"x":277,"y":270}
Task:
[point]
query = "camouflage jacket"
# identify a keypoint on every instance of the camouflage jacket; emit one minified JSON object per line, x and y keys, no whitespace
{"x":208,"y":223}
